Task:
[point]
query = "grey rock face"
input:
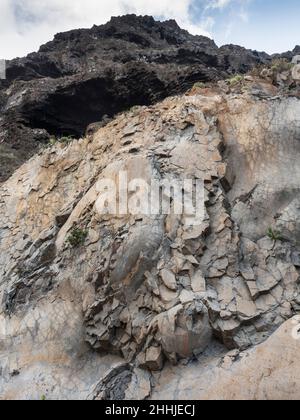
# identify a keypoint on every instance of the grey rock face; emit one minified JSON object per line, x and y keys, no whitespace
{"x":150,"y":291}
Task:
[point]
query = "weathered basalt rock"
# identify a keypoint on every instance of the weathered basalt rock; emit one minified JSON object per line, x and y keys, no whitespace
{"x":149,"y":290}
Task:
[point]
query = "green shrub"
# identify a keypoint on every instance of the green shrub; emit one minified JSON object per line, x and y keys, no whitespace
{"x":199,"y":85}
{"x":280,"y":65}
{"x":53,"y":140}
{"x":274,"y":234}
{"x":77,"y":237}
{"x":134,"y":108}
{"x":236,"y":80}
{"x":65,"y":139}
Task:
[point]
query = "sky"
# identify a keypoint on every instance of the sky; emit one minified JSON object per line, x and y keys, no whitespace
{"x":265,"y":25}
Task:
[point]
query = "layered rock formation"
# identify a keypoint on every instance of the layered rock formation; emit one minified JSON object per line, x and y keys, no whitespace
{"x":85,"y":76}
{"x":109,"y":300}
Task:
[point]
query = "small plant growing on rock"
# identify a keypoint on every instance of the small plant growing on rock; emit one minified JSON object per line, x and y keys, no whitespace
{"x":134,"y":108}
{"x":44,"y":146}
{"x":66,"y":139}
{"x":77,"y":237}
{"x":281,"y":65}
{"x":273,"y":69}
{"x":53,"y":140}
{"x":274,"y":234}
{"x":199,"y":85}
{"x":236,"y":80}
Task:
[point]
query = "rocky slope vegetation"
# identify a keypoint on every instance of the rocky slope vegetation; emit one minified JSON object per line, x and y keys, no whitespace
{"x":134,"y":306}
{"x":85,"y":76}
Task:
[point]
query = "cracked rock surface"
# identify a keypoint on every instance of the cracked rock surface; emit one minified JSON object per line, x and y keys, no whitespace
{"x":144,"y":294}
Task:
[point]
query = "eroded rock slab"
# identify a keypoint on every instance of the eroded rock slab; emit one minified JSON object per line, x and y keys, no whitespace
{"x":269,"y":372}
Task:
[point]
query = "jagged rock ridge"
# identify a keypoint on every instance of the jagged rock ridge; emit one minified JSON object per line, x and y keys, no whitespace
{"x":83,"y":76}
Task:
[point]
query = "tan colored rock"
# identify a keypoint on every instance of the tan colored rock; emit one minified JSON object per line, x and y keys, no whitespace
{"x":169,"y":279}
{"x":154,"y":358}
{"x":246,"y":309}
{"x":152,"y":283}
{"x":166,"y":294}
{"x":184,"y":330}
{"x":186,"y":296}
{"x":265,"y":281}
{"x":139,"y":387}
{"x":271,"y":371}
{"x":198,"y":283}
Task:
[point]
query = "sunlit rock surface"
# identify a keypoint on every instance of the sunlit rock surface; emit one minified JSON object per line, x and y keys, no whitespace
{"x":142,"y":292}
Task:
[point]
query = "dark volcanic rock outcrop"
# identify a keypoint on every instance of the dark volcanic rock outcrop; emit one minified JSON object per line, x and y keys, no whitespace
{"x":84,"y":75}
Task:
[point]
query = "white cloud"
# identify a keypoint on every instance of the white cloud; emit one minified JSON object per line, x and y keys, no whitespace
{"x":26,"y":24}
{"x":219,"y":4}
{"x":237,"y":9}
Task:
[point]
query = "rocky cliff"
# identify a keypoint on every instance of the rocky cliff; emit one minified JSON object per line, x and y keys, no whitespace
{"x":137,"y":306}
{"x":89,"y":75}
